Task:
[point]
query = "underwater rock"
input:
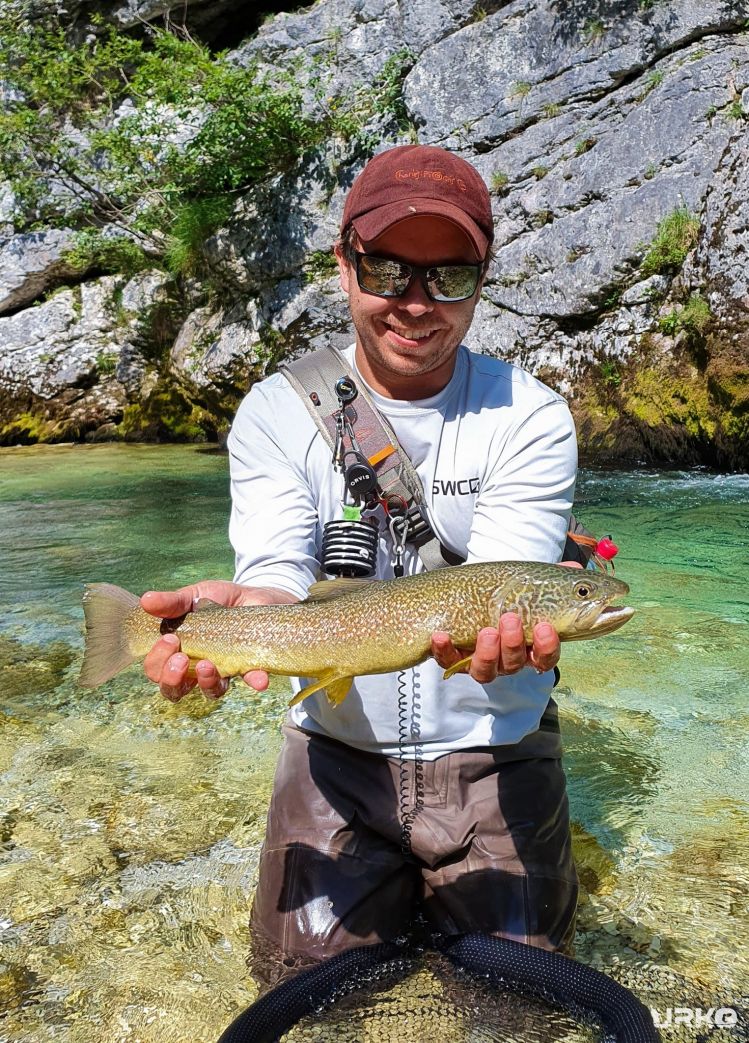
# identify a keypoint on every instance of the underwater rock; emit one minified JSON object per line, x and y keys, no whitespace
{"x":27,"y":668}
{"x":596,"y":867}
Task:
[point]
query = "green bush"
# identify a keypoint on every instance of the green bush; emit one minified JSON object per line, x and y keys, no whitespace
{"x":610,"y":373}
{"x":387,"y":92}
{"x":520,"y":89}
{"x":674,"y":238}
{"x":90,"y":135}
{"x":106,"y":362}
{"x":736,"y":110}
{"x":92,"y":249}
{"x":694,"y":318}
{"x":194,"y":221}
{"x":157,"y":136}
{"x":594,"y":30}
{"x":653,"y":80}
{"x":320,"y":264}
{"x":499,"y":180}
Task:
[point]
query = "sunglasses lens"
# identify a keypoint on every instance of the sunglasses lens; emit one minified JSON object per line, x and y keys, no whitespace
{"x":389,"y":278}
{"x":382,"y":276}
{"x":452,"y":282}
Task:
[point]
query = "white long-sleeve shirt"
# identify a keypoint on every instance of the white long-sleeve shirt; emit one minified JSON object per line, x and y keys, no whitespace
{"x":496,"y":453}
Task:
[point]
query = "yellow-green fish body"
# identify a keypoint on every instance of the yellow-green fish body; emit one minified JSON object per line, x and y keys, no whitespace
{"x":347,"y":628}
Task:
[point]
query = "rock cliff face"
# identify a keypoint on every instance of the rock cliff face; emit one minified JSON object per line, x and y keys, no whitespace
{"x":614,"y":138}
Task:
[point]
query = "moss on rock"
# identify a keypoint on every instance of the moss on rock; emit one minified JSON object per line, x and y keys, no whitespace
{"x":25,"y":429}
{"x":668,"y":405}
{"x":166,"y":415}
{"x":29,"y":427}
{"x":728,"y":384}
{"x":678,"y":397}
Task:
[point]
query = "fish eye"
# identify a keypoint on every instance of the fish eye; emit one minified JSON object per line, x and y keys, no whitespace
{"x":582,"y":590}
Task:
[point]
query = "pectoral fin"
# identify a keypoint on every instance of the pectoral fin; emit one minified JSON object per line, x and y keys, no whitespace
{"x":457,"y":667}
{"x":336,"y":688}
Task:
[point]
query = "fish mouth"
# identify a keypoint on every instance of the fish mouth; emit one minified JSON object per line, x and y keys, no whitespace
{"x":610,"y":618}
{"x":594,"y":621}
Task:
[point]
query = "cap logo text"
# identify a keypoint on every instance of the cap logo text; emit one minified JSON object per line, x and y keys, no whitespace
{"x":430,"y":175}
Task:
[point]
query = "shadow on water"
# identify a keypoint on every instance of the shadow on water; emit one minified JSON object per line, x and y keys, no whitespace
{"x":611,"y":776}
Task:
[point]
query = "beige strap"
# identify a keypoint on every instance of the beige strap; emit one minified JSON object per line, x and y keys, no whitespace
{"x":313,"y":377}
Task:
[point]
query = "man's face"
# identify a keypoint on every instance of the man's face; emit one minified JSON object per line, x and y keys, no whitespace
{"x":406,"y":346}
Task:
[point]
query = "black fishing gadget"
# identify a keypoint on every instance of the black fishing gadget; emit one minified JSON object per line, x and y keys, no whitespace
{"x":346,"y":390}
{"x":349,"y":545}
{"x":349,"y":548}
{"x":360,"y":477}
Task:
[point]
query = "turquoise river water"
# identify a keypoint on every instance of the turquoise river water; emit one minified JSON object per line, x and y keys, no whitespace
{"x":130,"y":828}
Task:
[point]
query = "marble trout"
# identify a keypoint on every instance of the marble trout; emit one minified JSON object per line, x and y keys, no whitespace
{"x":346,"y":628}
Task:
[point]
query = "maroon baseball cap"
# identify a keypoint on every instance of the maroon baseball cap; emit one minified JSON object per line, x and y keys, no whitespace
{"x":412,"y":180}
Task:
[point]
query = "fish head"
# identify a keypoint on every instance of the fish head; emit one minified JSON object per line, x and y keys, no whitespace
{"x":580,"y":604}
{"x":577,"y":602}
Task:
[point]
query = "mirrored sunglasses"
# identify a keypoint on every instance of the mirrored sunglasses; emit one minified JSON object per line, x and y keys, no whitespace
{"x":446,"y":283}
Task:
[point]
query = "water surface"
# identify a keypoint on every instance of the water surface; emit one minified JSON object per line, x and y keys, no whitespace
{"x":130,"y":828}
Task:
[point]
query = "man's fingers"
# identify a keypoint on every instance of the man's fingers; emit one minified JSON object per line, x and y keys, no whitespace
{"x":446,"y":653}
{"x":484,"y":663}
{"x":513,"y":655}
{"x":159,"y":656}
{"x":257,"y":679}
{"x":502,"y":650}
{"x":212,"y":684}
{"x":174,"y":681}
{"x":546,"y":647}
{"x":176,"y":692}
{"x":168,"y":604}
{"x":443,"y":650}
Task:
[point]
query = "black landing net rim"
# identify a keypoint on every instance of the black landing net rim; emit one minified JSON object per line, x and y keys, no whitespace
{"x":559,"y":980}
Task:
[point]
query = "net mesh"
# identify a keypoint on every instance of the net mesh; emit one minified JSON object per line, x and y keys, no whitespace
{"x":436,"y":1002}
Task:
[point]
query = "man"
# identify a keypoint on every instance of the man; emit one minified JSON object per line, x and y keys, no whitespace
{"x":460,"y":809}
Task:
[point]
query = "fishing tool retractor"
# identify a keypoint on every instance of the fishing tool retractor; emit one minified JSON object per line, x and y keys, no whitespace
{"x":349,"y":544}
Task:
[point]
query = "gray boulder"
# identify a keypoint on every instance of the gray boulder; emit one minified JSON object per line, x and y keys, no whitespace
{"x":74,"y":359}
{"x":31,"y":264}
{"x":722,"y":257}
{"x":354,"y":38}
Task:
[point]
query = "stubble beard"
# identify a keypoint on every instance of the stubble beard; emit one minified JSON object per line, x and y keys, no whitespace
{"x":389,"y":358}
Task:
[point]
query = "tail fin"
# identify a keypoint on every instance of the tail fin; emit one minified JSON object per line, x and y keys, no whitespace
{"x":108,"y":648}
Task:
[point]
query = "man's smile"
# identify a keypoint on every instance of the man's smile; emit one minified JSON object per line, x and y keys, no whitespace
{"x":409,"y":336}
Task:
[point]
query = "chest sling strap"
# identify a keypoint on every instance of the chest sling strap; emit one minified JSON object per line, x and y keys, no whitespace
{"x":313,"y":377}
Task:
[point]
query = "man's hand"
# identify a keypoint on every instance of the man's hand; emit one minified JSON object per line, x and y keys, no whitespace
{"x":169,"y":667}
{"x":502,"y":649}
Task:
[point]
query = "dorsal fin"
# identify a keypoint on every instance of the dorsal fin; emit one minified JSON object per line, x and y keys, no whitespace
{"x":205,"y":605}
{"x":327,"y":589}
